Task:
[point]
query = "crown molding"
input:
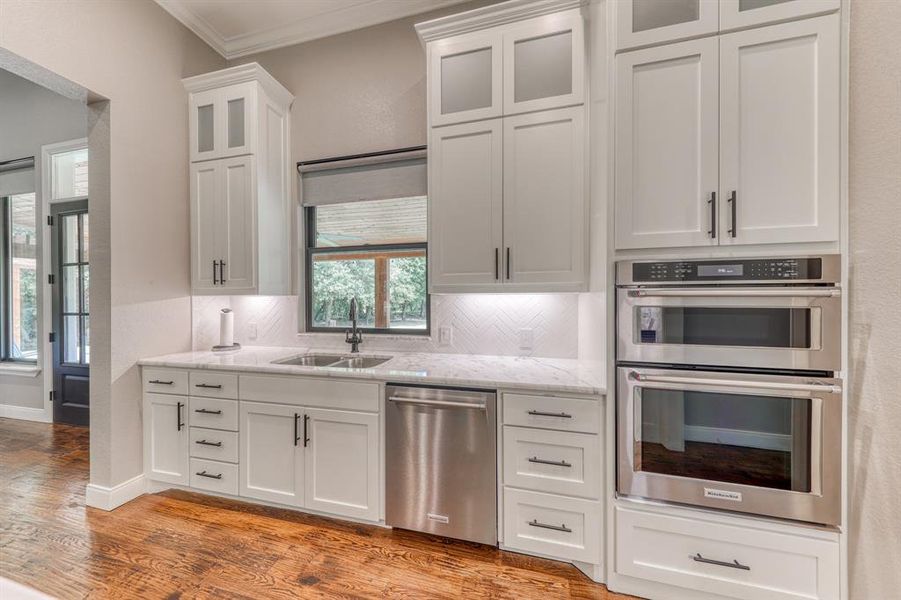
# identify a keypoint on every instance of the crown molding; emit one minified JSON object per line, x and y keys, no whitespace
{"x":199,"y":26}
{"x":491,"y":16}
{"x":240,"y":74}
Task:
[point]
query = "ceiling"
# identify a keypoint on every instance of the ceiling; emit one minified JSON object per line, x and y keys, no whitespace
{"x":240,"y":27}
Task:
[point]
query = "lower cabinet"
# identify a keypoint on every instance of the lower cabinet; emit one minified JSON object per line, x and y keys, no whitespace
{"x":271,"y":459}
{"x":166,"y":438}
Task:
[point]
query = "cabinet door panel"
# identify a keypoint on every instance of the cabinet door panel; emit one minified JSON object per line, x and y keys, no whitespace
{"x":465,"y":205}
{"x":544,"y":197}
{"x":666,"y":145}
{"x":342,"y":463}
{"x":271,"y":460}
{"x":203,"y":116}
{"x":735,"y":14}
{"x":239,"y":240}
{"x":465,"y":75}
{"x":646,"y":22}
{"x":206,"y":223}
{"x":779,"y":132}
{"x":166,"y":438}
{"x":237,"y":112}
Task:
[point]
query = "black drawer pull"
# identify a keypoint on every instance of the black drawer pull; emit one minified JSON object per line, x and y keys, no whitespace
{"x":208,"y":385}
{"x":210,"y":475}
{"x":158,"y":382}
{"x":564,"y":528}
{"x":556,"y":463}
{"x":206,"y":411}
{"x":206,"y":443}
{"x":538,"y":413}
{"x":720,"y":563}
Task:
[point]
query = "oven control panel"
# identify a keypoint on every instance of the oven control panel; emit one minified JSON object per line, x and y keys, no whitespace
{"x":726,"y":270}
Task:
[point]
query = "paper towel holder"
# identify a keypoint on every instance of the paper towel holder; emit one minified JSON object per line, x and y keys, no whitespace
{"x":226,"y":312}
{"x":235,"y":346}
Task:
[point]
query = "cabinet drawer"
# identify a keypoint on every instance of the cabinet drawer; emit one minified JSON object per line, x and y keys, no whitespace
{"x":165,"y":381}
{"x":213,"y":413}
{"x":214,"y":444}
{"x":700,"y":555}
{"x":560,"y":462}
{"x":312,"y":392}
{"x":551,"y":412}
{"x":214,"y":476}
{"x":566,"y":528}
{"x":214,"y":385}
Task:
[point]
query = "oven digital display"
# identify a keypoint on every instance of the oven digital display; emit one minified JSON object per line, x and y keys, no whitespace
{"x":721,"y":270}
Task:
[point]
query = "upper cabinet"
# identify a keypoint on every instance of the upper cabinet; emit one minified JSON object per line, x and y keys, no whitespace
{"x":520,"y":66}
{"x":240,"y":182}
{"x":649,"y":22}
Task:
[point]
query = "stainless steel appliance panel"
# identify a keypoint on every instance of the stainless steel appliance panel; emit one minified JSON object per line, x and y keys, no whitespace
{"x":441,"y":462}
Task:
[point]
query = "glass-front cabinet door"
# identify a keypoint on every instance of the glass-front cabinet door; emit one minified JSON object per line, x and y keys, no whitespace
{"x":646,"y":22}
{"x":221,"y":122}
{"x":745,"y":13}
{"x":465,"y":80}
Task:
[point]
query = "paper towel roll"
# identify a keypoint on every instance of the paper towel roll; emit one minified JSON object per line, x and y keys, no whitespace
{"x":226,"y":327}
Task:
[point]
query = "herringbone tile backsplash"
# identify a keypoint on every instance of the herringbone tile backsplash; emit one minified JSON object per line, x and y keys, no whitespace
{"x":481,"y":323}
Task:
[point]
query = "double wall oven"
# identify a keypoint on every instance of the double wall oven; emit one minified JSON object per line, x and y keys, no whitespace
{"x":727,"y":395}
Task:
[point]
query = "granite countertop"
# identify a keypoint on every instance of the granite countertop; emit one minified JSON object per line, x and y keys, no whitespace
{"x":465,"y":370}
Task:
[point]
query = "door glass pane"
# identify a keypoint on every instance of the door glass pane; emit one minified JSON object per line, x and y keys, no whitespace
{"x":70,"y":238}
{"x":85,"y":286}
{"x":236,"y":123}
{"x":753,"y":327}
{"x":85,"y":237}
{"x":744,"y":5}
{"x":69,"y":174}
{"x":86,"y":352}
{"x":71,"y":339}
{"x":205,"y":128}
{"x":22,"y":280}
{"x":732,"y":438}
{"x":70,"y":289}
{"x":542,"y":67}
{"x":651,"y":14}
{"x":336,"y":279}
{"x":466,"y":81}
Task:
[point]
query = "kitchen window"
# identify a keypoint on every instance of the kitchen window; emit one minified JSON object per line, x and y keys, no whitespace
{"x":18,"y":264}
{"x":366,"y":224}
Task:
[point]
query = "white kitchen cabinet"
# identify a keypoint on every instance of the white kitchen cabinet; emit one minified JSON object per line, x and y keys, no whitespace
{"x":736,"y":14}
{"x":466,"y":206}
{"x":166,"y":438}
{"x":272,"y":453}
{"x":666,"y":145}
{"x":780,"y":133}
{"x":545,"y":209}
{"x":648,"y":22}
{"x":240,"y":182}
{"x":465,"y":78}
{"x":342,"y":463}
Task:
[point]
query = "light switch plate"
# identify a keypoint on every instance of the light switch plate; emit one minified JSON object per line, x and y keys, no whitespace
{"x":526,"y":339}
{"x":251,"y":331}
{"x":445,"y":336}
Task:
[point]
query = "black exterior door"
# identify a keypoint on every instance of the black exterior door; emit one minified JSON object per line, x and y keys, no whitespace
{"x":71,"y":306}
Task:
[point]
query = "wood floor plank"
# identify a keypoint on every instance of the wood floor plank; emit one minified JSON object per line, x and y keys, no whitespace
{"x":179,"y":544}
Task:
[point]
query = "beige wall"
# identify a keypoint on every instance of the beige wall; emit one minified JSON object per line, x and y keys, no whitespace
{"x":875,"y":301}
{"x":134,"y":54}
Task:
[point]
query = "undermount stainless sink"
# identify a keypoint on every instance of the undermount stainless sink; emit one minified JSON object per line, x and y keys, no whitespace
{"x":334,"y":360}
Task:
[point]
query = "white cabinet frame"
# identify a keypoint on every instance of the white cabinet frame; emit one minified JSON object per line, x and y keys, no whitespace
{"x":462,"y":45}
{"x":706,"y":24}
{"x":733,"y":18}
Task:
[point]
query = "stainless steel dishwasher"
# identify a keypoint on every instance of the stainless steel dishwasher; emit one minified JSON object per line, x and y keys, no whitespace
{"x":441,"y":462}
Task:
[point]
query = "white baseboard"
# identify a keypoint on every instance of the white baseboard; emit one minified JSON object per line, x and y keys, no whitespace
{"x":24,"y":413}
{"x":739,"y":437}
{"x":109,"y":498}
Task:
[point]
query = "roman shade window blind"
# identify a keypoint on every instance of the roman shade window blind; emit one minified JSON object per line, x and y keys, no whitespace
{"x":16,"y":177}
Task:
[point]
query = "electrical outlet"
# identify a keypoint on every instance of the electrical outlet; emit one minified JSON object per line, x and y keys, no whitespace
{"x":251,"y":331}
{"x":445,"y":336}
{"x":526,"y":339}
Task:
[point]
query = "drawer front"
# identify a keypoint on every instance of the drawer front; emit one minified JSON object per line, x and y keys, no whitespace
{"x":552,"y":412}
{"x":214,"y":444}
{"x":565,"y":528}
{"x":701,"y":555}
{"x":213,"y":413}
{"x":214,"y":476}
{"x":312,"y":392}
{"x":559,"y":462}
{"x":214,"y":385}
{"x":165,"y":381}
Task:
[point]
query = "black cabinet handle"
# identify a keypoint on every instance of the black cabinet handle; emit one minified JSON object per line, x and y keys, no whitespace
{"x":720,"y":563}
{"x":556,"y":463}
{"x":158,"y":382}
{"x":538,"y":413}
{"x":178,"y":407}
{"x":508,"y":262}
{"x":712,"y":202}
{"x":221,"y":272}
{"x":497,"y":273}
{"x":206,"y":443}
{"x":210,"y":475}
{"x":208,"y":385}
{"x":733,"y":200}
{"x":205,"y":411}
{"x":296,"y":439}
{"x":564,"y":528}
{"x":306,"y":439}
{"x":215,"y":281}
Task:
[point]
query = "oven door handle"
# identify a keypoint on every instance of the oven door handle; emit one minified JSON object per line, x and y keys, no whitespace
{"x":762,"y":385}
{"x":739,"y":293}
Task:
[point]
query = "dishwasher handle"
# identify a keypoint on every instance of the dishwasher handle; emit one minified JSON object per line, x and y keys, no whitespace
{"x":438,"y":403}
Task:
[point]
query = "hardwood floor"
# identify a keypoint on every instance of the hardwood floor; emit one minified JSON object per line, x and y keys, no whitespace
{"x":183,"y":545}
